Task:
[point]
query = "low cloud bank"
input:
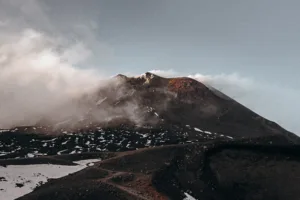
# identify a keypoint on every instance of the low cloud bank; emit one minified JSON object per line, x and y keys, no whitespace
{"x":37,"y":75}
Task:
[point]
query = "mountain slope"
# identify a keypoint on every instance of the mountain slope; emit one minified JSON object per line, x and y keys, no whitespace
{"x":240,"y":169}
{"x":185,"y":101}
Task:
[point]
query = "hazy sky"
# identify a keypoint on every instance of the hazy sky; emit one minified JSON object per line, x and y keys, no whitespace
{"x":247,"y":48}
{"x":258,"y":38}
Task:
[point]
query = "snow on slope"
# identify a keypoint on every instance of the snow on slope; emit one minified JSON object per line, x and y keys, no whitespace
{"x":188,"y":197}
{"x":18,"y":180}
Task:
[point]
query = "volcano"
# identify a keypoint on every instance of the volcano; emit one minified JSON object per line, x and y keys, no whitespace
{"x":159,"y":138}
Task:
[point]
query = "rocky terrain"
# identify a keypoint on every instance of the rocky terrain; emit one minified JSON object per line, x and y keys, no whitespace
{"x":167,"y":138}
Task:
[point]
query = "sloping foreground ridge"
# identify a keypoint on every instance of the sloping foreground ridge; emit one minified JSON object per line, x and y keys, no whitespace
{"x":261,"y":168}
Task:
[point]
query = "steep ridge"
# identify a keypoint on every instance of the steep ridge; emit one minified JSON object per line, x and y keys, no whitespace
{"x":185,"y":101}
{"x":240,"y":169}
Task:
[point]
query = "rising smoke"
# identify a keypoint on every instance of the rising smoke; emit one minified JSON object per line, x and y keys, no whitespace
{"x":39,"y":81}
{"x":38,"y":64}
{"x":45,"y":67}
{"x":36,"y":76}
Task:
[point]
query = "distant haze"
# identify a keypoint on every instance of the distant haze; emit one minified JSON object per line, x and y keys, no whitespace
{"x":52,"y":50}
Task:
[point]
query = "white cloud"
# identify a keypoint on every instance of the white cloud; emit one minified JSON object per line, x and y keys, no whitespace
{"x":36,"y":77}
{"x":77,"y":53}
{"x":164,"y":73}
{"x":40,"y":60}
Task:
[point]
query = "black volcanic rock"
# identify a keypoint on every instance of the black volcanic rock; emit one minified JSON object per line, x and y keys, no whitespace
{"x":185,"y":101}
{"x":261,"y":168}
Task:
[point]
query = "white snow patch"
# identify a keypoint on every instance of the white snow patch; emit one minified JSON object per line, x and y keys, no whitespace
{"x":59,"y":153}
{"x":32,"y":175}
{"x":73,"y":152}
{"x":65,"y":142}
{"x":3,"y":154}
{"x":52,"y":140}
{"x":148,"y":143}
{"x":188,"y":197}
{"x":30,"y":155}
{"x":199,"y":130}
{"x":207,"y":132}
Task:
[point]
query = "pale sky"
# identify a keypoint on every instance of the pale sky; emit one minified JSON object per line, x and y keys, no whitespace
{"x":250,"y":45}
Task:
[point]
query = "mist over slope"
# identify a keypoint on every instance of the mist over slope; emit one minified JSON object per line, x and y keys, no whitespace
{"x":43,"y":64}
{"x":36,"y":76}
